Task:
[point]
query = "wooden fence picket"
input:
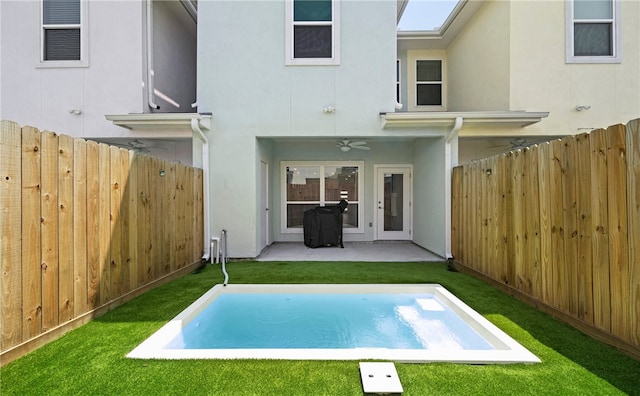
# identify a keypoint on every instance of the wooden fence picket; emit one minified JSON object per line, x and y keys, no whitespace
{"x":31,"y":236}
{"x":49,"y":229}
{"x":633,"y":193}
{"x":10,"y":225}
{"x":618,"y":243}
{"x":65,"y":228}
{"x":80,"y":231}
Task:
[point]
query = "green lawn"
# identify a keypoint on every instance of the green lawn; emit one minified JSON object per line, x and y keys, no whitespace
{"x":91,"y":360}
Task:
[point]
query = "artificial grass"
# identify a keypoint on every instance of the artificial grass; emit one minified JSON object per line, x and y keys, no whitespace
{"x":91,"y":360}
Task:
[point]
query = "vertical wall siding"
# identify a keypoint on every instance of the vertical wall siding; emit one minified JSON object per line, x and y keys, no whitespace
{"x":83,"y":224}
{"x":560,"y":224}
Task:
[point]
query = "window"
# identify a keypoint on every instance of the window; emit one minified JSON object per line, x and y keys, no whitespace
{"x":429,"y":83}
{"x":307,"y":185}
{"x":62,"y":36}
{"x":312,"y":32}
{"x":593,"y":31}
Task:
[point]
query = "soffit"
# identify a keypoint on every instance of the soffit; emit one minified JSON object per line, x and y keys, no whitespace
{"x":160,"y":121}
{"x":442,"y":37}
{"x":445,"y":118}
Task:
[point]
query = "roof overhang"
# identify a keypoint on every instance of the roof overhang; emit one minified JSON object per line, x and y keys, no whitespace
{"x":160,"y":121}
{"x":440,"y":38}
{"x":471,"y":118}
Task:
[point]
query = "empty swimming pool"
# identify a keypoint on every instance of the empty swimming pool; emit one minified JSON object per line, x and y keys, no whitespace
{"x":409,"y":323}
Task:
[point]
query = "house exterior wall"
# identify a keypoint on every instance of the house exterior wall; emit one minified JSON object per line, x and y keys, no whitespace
{"x":429,"y":212}
{"x":175,"y":57}
{"x":541,"y":80}
{"x":478,"y":61}
{"x":43,"y":96}
{"x":511,"y":56}
{"x":244,"y":82}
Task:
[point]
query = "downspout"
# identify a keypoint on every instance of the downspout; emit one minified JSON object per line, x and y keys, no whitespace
{"x":449,"y":164}
{"x":195,"y":127}
{"x":150,"y":83}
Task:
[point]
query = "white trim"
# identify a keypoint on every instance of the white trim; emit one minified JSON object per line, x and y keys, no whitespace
{"x":376,"y":168}
{"x":264,"y":216}
{"x":84,"y":40}
{"x":335,"y":38}
{"x":616,"y":40}
{"x":506,"y":349}
{"x":155,"y":121}
{"x":412,"y":79}
{"x":283,"y":193}
{"x":448,"y":119}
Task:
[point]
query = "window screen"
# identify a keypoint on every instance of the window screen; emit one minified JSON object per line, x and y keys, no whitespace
{"x":429,"y":83}
{"x":593,"y":28}
{"x":312,"y":29}
{"x":61,"y":30}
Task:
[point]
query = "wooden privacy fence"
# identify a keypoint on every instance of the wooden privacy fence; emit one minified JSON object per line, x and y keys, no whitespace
{"x":84,"y":227}
{"x":559,"y":223}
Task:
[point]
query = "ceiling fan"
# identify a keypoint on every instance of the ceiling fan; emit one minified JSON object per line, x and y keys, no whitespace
{"x":517,"y":143}
{"x":346,"y":145}
{"x":137,"y":146}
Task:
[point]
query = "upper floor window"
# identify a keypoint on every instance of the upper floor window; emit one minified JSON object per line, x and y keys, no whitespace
{"x":62,"y":36}
{"x":593,"y":31}
{"x":312,"y":36}
{"x":429,"y":83}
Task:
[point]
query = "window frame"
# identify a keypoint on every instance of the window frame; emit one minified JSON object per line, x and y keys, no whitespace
{"x":442,"y":82}
{"x":84,"y":46}
{"x":322,"y":164}
{"x":335,"y":37}
{"x":616,"y":57}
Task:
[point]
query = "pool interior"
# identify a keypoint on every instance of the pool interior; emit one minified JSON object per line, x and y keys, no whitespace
{"x":505,"y":349}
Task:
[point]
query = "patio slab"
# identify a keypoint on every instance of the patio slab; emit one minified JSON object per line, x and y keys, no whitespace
{"x":353,"y":251}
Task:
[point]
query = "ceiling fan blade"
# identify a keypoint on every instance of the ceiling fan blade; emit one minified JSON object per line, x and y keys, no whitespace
{"x":361,"y":147}
{"x":357,"y":143}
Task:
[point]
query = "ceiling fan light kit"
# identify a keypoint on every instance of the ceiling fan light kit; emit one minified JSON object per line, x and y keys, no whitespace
{"x":346,"y":145}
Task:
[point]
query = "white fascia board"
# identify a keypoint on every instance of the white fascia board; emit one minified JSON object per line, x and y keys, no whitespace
{"x":441,"y":37}
{"x":159,"y":121}
{"x":421,"y":119}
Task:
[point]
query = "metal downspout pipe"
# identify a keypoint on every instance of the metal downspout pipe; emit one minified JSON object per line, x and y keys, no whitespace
{"x":150,"y":72}
{"x":195,"y":127}
{"x":449,"y":164}
{"x":223,"y":240}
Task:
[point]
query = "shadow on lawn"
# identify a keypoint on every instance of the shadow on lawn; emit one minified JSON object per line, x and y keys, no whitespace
{"x":604,"y":361}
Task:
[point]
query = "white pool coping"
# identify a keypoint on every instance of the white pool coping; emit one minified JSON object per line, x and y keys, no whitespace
{"x":507,"y":349}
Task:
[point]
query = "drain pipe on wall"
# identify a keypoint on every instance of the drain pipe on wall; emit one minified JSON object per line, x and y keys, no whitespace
{"x":150,"y":72}
{"x":195,"y":127}
{"x":449,"y":164}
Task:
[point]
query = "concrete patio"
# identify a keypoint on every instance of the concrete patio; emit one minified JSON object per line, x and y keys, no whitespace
{"x":353,"y":251}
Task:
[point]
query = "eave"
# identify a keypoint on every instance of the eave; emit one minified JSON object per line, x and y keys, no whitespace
{"x":472,"y":118}
{"x":160,"y":121}
{"x":441,"y":37}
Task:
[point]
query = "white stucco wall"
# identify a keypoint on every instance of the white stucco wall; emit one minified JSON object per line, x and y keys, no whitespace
{"x":511,"y":56}
{"x":429,"y":194}
{"x":478,"y":61}
{"x":541,"y":80}
{"x":175,"y":58}
{"x":42,"y":97}
{"x":244,"y":82}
